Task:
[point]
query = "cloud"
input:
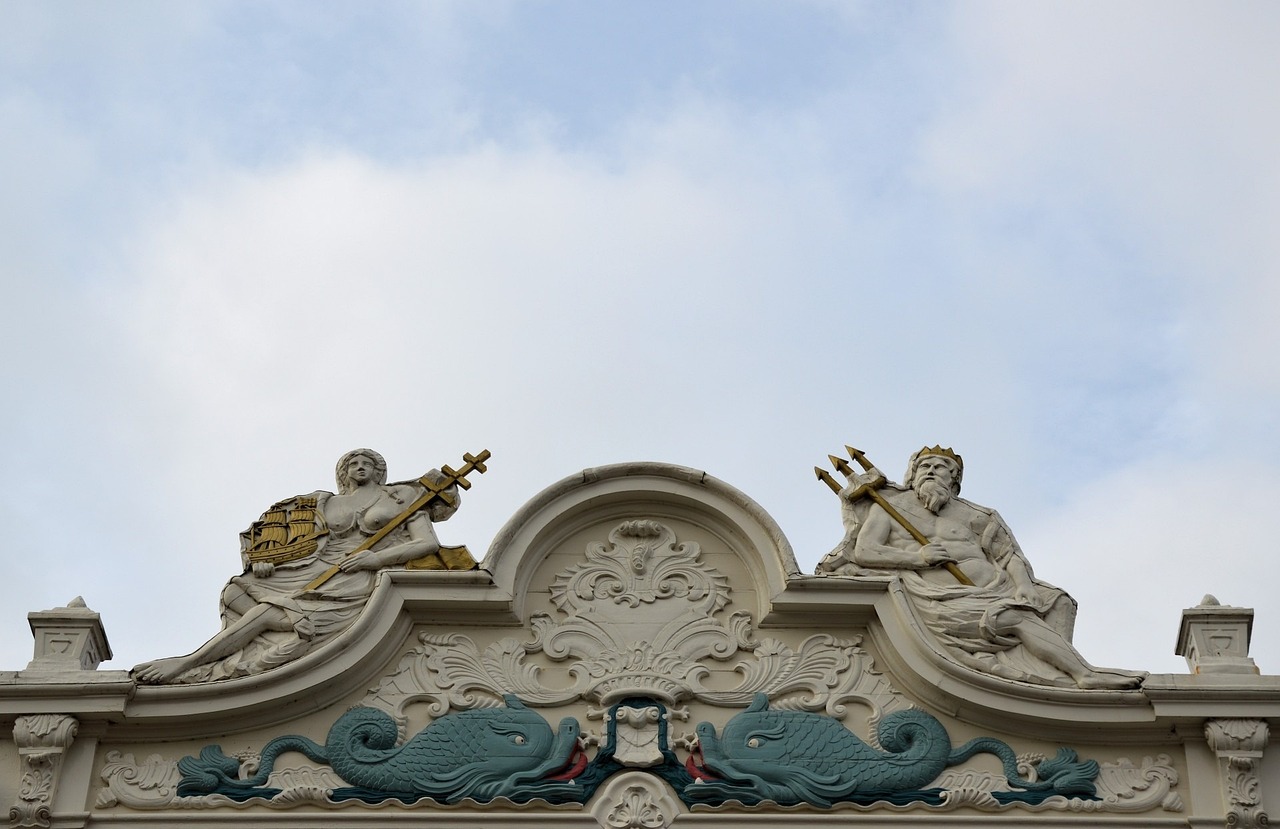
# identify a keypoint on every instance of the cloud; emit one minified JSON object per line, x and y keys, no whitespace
{"x":558,"y":310}
{"x":1147,"y":541}
{"x":1150,"y":132}
{"x":1026,"y":235}
{"x":1136,"y":149}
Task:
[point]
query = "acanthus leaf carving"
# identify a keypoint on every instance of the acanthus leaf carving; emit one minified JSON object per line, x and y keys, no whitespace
{"x":642,"y":565}
{"x":451,"y":672}
{"x":1239,"y":743}
{"x":613,"y":651}
{"x":45,"y":730}
{"x":1126,"y":787}
{"x":1244,"y":794}
{"x":977,"y":796}
{"x":303,"y":785}
{"x":1122,"y":787}
{"x":42,"y":740}
{"x":151,"y":784}
{"x":824,"y":673}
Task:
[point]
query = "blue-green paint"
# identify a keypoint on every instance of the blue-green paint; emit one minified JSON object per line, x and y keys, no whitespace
{"x":789,"y":757}
{"x":793,"y":757}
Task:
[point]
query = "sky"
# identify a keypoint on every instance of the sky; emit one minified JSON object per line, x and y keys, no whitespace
{"x":240,"y":239}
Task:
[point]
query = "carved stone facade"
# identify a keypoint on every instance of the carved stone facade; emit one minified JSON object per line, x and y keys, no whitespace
{"x":1239,"y":745}
{"x":42,"y":741}
{"x":637,"y":650}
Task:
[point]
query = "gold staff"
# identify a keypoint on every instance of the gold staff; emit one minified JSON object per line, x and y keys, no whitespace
{"x":435,"y":490}
{"x":868,"y":489}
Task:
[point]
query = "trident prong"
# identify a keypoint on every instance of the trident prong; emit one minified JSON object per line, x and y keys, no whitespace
{"x":857,"y":455}
{"x":825,"y":477}
{"x":868,"y":489}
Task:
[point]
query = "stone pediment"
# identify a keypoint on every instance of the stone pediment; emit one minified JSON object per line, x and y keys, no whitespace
{"x":635,"y":640}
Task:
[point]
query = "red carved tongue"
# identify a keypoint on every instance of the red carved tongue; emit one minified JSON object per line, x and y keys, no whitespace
{"x":696,"y":771}
{"x":577,"y":763}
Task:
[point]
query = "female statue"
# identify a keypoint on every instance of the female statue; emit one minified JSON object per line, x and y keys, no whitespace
{"x":302,"y":583}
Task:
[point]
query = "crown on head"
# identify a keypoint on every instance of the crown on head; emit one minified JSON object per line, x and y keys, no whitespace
{"x":945,"y":453}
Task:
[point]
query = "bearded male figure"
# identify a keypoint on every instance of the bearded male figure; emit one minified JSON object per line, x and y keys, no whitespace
{"x":1006,"y":623}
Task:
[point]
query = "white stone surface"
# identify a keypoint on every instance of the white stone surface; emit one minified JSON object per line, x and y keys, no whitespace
{"x":650,"y":579}
{"x":1215,"y":638}
{"x":1005,"y":622}
{"x":69,"y":638}
{"x":271,"y":613}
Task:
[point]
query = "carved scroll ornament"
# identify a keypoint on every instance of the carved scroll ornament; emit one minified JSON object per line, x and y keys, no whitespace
{"x":1239,"y":743}
{"x":641,"y":616}
{"x":42,"y":742}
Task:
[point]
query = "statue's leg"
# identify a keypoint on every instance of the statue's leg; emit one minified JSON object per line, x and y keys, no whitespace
{"x":1061,"y":616}
{"x":1048,"y":644}
{"x":260,"y":619}
{"x":236,"y":603}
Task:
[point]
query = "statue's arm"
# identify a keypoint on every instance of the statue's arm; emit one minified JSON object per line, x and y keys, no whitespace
{"x":999,"y":544}
{"x":1024,"y":587}
{"x":874,"y":550}
{"x":423,"y":535}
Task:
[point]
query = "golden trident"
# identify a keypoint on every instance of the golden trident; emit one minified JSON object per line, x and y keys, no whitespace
{"x":436,"y":490}
{"x":867,"y":486}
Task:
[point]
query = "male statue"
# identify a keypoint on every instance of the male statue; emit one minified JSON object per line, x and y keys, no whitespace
{"x":1005,"y":623}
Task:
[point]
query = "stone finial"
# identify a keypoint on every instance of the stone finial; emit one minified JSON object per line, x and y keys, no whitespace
{"x":69,"y":638}
{"x":1214,"y":638}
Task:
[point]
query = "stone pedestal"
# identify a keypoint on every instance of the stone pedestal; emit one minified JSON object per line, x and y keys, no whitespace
{"x":1214,"y":638}
{"x":69,"y":638}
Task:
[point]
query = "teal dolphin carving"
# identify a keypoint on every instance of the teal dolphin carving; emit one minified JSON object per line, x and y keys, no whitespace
{"x":482,"y":754}
{"x":794,"y":757}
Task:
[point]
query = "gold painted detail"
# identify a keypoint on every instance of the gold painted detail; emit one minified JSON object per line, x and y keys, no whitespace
{"x":288,"y":531}
{"x":871,"y":481}
{"x":449,"y":558}
{"x":437,"y":487}
{"x":939,"y":451}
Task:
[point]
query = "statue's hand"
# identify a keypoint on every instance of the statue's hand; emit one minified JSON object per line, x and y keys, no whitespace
{"x":263,"y":569}
{"x":360,"y":561}
{"x":935,"y":553}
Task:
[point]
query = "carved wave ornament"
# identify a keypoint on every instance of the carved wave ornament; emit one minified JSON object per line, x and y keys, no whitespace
{"x":638,"y":671}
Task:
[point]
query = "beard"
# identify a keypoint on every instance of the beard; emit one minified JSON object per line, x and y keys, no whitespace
{"x":933,"y":495}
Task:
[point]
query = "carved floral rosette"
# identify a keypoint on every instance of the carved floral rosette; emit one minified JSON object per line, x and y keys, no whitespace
{"x":633,"y":800}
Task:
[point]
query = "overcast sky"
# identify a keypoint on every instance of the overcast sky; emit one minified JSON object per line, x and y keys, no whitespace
{"x":239,"y":239}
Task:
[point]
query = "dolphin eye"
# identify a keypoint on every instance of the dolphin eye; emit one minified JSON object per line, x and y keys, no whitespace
{"x":754,"y":742}
{"x":519,"y":739}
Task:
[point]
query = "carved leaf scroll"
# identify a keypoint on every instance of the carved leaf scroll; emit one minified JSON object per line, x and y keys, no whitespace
{"x":151,"y":784}
{"x":1239,"y":743}
{"x":613,"y":647}
{"x":1122,"y":787}
{"x":42,"y":740}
